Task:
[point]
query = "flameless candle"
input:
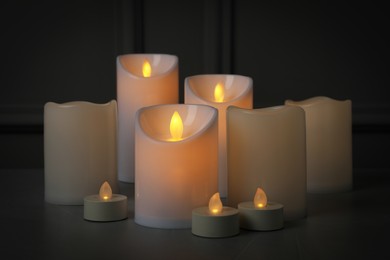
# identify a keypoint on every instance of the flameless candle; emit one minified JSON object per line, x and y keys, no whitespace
{"x":261,"y":214}
{"x":176,"y":149}
{"x":215,"y":220}
{"x":328,"y":144}
{"x":80,"y":150}
{"x":105,"y":206}
{"x":268,"y":146}
{"x":142,"y":80}
{"x":220,"y":91}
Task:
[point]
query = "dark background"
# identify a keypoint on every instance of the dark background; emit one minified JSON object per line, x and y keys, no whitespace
{"x":66,"y":50}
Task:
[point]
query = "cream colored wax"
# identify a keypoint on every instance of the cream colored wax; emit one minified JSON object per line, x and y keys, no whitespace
{"x":328,"y":144}
{"x":266,"y":147}
{"x":138,"y":87}
{"x":174,"y":175}
{"x":79,"y":150}
{"x":232,"y":90}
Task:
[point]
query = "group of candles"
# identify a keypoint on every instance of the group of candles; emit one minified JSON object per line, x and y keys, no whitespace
{"x":182,"y":157}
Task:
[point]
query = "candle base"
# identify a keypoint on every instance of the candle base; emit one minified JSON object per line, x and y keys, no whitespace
{"x":261,"y":219}
{"x":224,"y":224}
{"x":114,"y":209}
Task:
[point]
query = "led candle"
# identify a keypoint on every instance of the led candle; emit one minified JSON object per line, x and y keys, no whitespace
{"x":261,"y":214}
{"x":220,"y":91}
{"x":142,"y":80}
{"x":328,"y":144}
{"x":105,"y":206}
{"x":176,"y":148}
{"x":268,"y":146}
{"x":80,"y":150}
{"x":215,"y":220}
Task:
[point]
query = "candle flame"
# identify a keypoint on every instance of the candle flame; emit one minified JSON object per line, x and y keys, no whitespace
{"x":146,"y":69}
{"x":219,"y":93}
{"x":176,"y":126}
{"x":105,"y":192}
{"x":260,"y":199}
{"x":215,"y":204}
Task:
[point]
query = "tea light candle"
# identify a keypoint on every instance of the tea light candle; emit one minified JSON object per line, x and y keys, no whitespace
{"x":215,"y":220}
{"x":220,"y":91}
{"x":80,"y":150}
{"x":176,"y":149}
{"x":142,"y":80}
{"x":260,"y":214}
{"x":105,"y":206}
{"x":328,"y":144}
{"x":268,"y":146}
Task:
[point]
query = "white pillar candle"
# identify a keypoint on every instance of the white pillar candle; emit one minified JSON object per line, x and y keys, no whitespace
{"x":328,"y":144}
{"x":80,"y":150}
{"x":220,"y":91}
{"x":142,"y":80}
{"x":176,"y":149}
{"x":267,"y":146}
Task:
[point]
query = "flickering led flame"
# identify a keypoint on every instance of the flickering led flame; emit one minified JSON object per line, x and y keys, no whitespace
{"x":105,"y":192}
{"x":219,"y":93}
{"x":260,"y":199}
{"x":215,"y":204}
{"x":176,"y":126}
{"x":146,"y":69}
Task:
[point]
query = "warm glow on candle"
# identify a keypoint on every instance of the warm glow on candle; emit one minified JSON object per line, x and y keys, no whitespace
{"x":215,"y":204}
{"x":105,"y":192}
{"x":260,"y":199}
{"x":176,"y":126}
{"x":219,"y":93}
{"x":146,"y":69}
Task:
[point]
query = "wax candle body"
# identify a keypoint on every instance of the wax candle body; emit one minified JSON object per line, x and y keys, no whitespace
{"x":135,"y":91}
{"x":174,"y":176}
{"x":267,"y":146}
{"x":80,"y":150}
{"x":328,"y":144}
{"x":200,"y":89}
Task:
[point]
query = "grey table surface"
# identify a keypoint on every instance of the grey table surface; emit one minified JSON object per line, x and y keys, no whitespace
{"x":348,"y":225}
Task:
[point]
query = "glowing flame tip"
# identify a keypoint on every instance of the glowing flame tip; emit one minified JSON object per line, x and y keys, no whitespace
{"x":215,"y":204}
{"x":105,"y":192}
{"x":260,"y":199}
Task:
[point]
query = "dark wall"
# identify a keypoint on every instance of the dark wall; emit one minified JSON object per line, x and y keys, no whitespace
{"x":65,"y":50}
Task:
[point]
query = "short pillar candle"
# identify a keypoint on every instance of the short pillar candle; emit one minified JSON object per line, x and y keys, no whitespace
{"x":80,"y":150}
{"x":215,"y":221}
{"x":328,"y":144}
{"x":142,"y":80}
{"x":220,"y":91}
{"x":267,"y":146}
{"x":105,"y":206}
{"x":176,"y":148}
{"x":261,"y":214}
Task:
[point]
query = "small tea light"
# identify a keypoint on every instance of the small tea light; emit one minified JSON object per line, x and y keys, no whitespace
{"x":215,"y":220}
{"x":260,"y":214}
{"x":105,"y":206}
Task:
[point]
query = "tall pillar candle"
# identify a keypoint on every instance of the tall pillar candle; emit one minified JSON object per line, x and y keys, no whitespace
{"x":328,"y":144}
{"x":220,"y":91}
{"x":142,"y":80}
{"x":79,"y":150}
{"x":266,"y":147}
{"x":176,"y":149}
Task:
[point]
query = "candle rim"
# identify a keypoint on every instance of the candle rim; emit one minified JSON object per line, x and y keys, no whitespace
{"x":248,"y":88}
{"x":79,"y":103}
{"x":315,"y":100}
{"x":213,"y":119}
{"x":263,"y":111}
{"x":120,"y":63}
